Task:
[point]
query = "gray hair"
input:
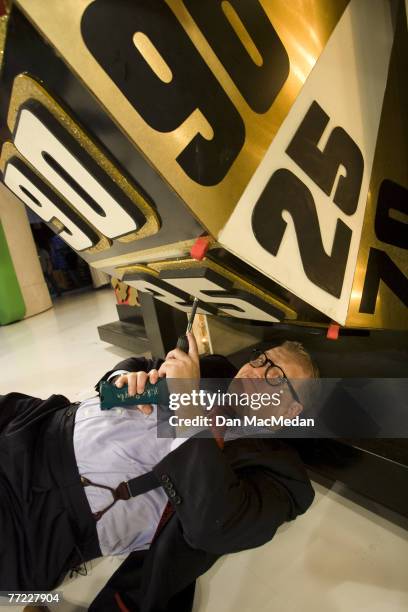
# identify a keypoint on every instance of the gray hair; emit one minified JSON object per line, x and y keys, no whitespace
{"x":309,"y":391}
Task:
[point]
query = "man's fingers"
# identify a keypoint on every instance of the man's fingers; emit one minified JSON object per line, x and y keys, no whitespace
{"x":193,"y":348}
{"x":153,"y":376}
{"x":132,"y":383}
{"x":176,"y":353}
{"x":145,"y":408}
{"x":121,"y":380}
{"x":135,"y":381}
{"x":168,"y":369}
{"x":162,"y":369}
{"x":141,"y":379}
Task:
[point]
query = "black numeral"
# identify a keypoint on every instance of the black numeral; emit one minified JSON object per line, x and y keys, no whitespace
{"x":381,"y":267}
{"x":66,"y":165}
{"x":285,"y":191}
{"x":391,"y":196}
{"x":259,"y":84}
{"x":209,"y":286}
{"x":43,"y":200}
{"x":322,"y":166}
{"x":108,"y":29}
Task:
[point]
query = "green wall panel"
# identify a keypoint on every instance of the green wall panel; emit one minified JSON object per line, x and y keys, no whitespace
{"x":12,"y":307}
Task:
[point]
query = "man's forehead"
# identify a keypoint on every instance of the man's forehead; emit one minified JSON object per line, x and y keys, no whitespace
{"x":281,"y":356}
{"x":284,"y":358}
{"x":276,"y":351}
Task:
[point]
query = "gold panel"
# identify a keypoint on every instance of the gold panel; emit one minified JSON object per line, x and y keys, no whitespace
{"x":166,"y":251}
{"x":390,"y":162}
{"x":26,"y":88}
{"x":135,"y":269}
{"x":239,"y":281}
{"x":303,"y":26}
{"x":8,"y":151}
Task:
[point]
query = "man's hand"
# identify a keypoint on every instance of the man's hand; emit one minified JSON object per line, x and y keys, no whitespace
{"x":136,"y":382}
{"x":182,"y":372}
{"x":179,"y":364}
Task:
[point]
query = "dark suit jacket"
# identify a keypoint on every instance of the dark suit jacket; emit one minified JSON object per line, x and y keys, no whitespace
{"x":231,"y":500}
{"x":46,"y":526}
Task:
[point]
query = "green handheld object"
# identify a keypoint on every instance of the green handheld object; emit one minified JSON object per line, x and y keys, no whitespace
{"x":112,"y":396}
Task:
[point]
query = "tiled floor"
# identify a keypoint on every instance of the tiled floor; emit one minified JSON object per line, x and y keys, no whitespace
{"x":339,"y":557}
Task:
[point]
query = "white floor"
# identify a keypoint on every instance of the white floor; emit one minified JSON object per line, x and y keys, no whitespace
{"x":336,"y":558}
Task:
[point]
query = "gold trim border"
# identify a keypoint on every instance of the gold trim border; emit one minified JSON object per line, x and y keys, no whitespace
{"x":3,"y":36}
{"x":159,"y":253}
{"x":134,"y":269}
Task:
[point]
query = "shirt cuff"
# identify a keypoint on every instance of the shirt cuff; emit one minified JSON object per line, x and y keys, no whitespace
{"x":117,"y":373}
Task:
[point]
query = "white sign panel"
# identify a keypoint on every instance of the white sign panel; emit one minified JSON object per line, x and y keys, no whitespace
{"x":300,"y":218}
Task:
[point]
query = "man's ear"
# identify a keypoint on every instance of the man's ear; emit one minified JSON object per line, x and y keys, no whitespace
{"x":294,"y":409}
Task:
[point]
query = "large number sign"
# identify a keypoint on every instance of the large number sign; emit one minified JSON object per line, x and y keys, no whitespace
{"x":220,"y":108}
{"x":70,"y":184}
{"x":200,"y":87}
{"x":301,"y":215}
{"x":289,"y":193}
{"x":219,"y":290}
{"x":58,"y":172}
{"x":190,"y":87}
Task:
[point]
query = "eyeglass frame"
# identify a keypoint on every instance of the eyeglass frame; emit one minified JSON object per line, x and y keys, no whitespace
{"x":272,"y":364}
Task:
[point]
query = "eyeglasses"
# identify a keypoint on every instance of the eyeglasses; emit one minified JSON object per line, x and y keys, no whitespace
{"x":274,"y":375}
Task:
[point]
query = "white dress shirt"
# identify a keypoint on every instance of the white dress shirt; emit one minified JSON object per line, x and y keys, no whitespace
{"x":112,"y":446}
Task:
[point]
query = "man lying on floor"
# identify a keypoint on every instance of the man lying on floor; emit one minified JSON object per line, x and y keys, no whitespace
{"x":61,"y":462}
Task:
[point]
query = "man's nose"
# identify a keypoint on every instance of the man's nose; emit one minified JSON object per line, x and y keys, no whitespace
{"x":259,"y":372}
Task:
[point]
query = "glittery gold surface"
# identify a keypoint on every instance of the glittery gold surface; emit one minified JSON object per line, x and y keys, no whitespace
{"x":3,"y":35}
{"x":9,"y":150}
{"x":135,"y":270}
{"x":27,"y":88}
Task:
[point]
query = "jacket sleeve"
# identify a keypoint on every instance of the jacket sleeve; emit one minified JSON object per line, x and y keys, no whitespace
{"x":222,"y":510}
{"x":212,"y":366}
{"x":131,"y":364}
